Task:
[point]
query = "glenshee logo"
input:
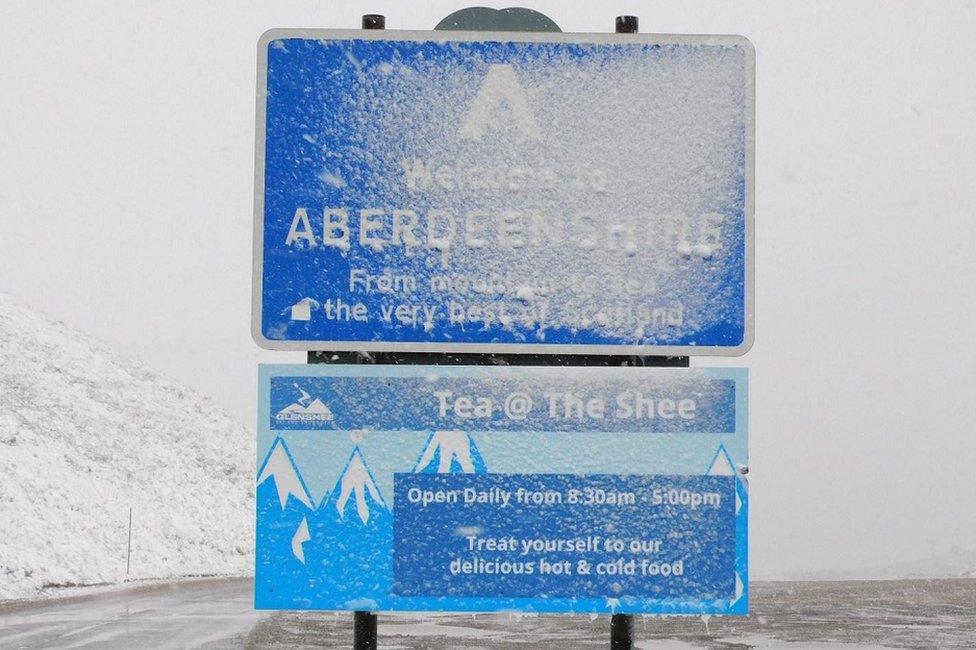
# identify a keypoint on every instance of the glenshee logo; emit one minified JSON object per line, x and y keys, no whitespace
{"x":306,"y":409}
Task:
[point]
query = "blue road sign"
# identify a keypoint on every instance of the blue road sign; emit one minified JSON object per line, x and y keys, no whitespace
{"x":483,"y":192}
{"x":425,"y":488}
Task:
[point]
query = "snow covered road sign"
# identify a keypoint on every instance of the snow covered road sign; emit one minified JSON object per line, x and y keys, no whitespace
{"x":504,"y":192}
{"x":428,"y":488}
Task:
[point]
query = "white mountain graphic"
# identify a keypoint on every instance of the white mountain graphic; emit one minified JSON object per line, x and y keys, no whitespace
{"x":305,"y":408}
{"x":721,"y":464}
{"x":357,"y":481}
{"x":453,"y":445}
{"x":279,"y":465}
{"x":298,"y":539}
{"x":316,"y":410}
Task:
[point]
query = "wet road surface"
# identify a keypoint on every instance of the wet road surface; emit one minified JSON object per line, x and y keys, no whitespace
{"x":217,"y":614}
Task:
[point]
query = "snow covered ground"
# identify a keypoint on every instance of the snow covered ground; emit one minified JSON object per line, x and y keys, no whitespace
{"x":85,"y":435}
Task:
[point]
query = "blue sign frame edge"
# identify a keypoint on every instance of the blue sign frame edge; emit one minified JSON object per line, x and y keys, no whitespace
{"x":500,"y":348}
{"x":738,"y":607}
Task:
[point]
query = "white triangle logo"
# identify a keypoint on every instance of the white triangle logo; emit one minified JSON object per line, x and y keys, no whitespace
{"x":500,"y":101}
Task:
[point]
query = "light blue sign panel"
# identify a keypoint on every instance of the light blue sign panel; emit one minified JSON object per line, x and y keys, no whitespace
{"x":400,"y":488}
{"x":479,"y":192}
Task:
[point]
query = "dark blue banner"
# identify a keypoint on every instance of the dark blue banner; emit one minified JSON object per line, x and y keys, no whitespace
{"x":557,"y":402}
{"x":560,"y":535}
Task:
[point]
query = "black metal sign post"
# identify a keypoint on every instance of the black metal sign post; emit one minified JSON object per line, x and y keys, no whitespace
{"x":364,"y":625}
{"x":364,"y":631}
{"x":621,"y":625}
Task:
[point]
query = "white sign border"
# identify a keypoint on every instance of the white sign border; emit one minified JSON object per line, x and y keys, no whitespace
{"x":257,"y":283}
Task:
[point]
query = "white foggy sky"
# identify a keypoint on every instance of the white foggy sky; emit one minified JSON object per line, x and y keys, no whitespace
{"x":126,"y":188}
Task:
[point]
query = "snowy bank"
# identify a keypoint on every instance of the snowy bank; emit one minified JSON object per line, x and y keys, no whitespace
{"x":85,"y":435}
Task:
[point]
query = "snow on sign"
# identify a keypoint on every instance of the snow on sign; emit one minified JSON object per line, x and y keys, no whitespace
{"x":397,"y":488}
{"x":503,"y":192}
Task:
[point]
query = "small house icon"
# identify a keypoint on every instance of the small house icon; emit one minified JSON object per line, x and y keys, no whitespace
{"x":302,"y":310}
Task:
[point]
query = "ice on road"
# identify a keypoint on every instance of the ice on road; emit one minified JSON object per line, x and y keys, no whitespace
{"x":218,"y":613}
{"x":193,"y":614}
